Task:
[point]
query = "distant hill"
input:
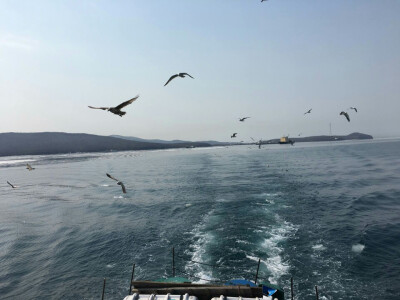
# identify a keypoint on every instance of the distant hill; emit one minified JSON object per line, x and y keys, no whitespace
{"x":59,"y":142}
{"x":132,"y":138}
{"x":325,"y":138}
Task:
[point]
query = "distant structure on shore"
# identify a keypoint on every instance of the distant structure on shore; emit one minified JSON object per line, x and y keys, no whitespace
{"x":320,"y":138}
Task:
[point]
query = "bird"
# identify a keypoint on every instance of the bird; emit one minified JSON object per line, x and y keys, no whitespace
{"x":176,"y":75}
{"x":354,"y":108}
{"x":259,"y":143}
{"x":242,"y":119}
{"x":308,"y":112}
{"x":263,"y":0}
{"x":346,"y":115}
{"x":118,"y":182}
{"x":299,"y":134}
{"x":28,"y":166}
{"x":117,"y":110}
{"x":13,"y":186}
{"x":233,"y":135}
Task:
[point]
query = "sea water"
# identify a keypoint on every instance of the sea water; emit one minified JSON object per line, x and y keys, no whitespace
{"x":326,"y":214}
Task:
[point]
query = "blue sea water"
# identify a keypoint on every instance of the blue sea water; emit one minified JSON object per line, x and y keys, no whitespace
{"x":327,"y":214}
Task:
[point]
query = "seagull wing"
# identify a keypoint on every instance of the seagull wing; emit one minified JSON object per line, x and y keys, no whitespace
{"x":11,"y":185}
{"x":123,"y":104}
{"x":172,"y":77}
{"x":122,"y":186}
{"x":109,"y":176}
{"x":355,"y":109}
{"x":346,"y":115}
{"x":252,"y":139}
{"x":183,"y":74}
{"x":103,"y":108}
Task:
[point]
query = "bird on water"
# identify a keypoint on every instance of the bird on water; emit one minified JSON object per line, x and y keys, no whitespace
{"x":308,"y":112}
{"x":233,"y":135}
{"x":117,"y":110}
{"x":28,"y":167}
{"x":13,"y":186}
{"x":118,"y":182}
{"x":242,"y":119}
{"x":346,"y":115}
{"x":176,"y":75}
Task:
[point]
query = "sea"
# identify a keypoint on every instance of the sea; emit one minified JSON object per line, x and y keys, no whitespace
{"x":324,"y":214}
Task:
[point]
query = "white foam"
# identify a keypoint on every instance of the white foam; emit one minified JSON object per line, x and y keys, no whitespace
{"x":202,"y":239}
{"x":319,"y":247}
{"x":188,"y":205}
{"x":118,"y":197}
{"x":357,"y":248}
{"x":110,"y":266}
{"x":17,"y":161}
{"x":278,"y":234}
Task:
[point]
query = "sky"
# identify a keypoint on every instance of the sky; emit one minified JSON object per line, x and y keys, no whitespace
{"x":271,"y":61}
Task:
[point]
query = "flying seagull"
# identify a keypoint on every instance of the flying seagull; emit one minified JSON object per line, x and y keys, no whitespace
{"x":176,"y":75}
{"x":242,"y":119}
{"x":117,"y":110}
{"x":308,"y":112}
{"x":263,"y":0}
{"x":354,"y":108}
{"x":234,"y":135}
{"x":13,"y":186}
{"x":346,"y":115}
{"x":118,"y":182}
{"x":28,"y":166}
{"x":259,"y":143}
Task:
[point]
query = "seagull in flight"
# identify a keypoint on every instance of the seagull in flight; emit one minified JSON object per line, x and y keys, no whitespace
{"x":242,"y":119}
{"x":176,"y":75}
{"x":346,"y":115}
{"x":233,"y":135}
{"x":118,"y":182}
{"x":28,"y":166}
{"x":259,"y":143}
{"x":354,"y":108}
{"x":308,"y":112}
{"x":117,"y":110}
{"x":13,"y":186}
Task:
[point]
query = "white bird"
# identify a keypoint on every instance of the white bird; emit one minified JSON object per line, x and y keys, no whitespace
{"x":118,"y":182}
{"x":117,"y":110}
{"x":242,"y":119}
{"x":28,"y":166}
{"x":354,"y":108}
{"x":13,"y":186}
{"x":346,"y":115}
{"x":176,"y":75}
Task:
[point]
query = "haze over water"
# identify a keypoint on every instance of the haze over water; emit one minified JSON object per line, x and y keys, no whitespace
{"x":325,"y":213}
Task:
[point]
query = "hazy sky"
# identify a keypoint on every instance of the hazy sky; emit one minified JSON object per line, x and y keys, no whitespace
{"x":271,"y":61}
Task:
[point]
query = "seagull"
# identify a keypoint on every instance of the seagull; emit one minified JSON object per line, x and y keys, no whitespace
{"x":259,"y":143}
{"x":28,"y":166}
{"x":176,"y":75}
{"x":242,"y":119}
{"x":118,"y":182}
{"x":263,"y":0}
{"x":117,"y":110}
{"x":354,"y":108}
{"x":13,"y":186}
{"x":346,"y":115}
{"x":308,"y":112}
{"x":233,"y":135}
